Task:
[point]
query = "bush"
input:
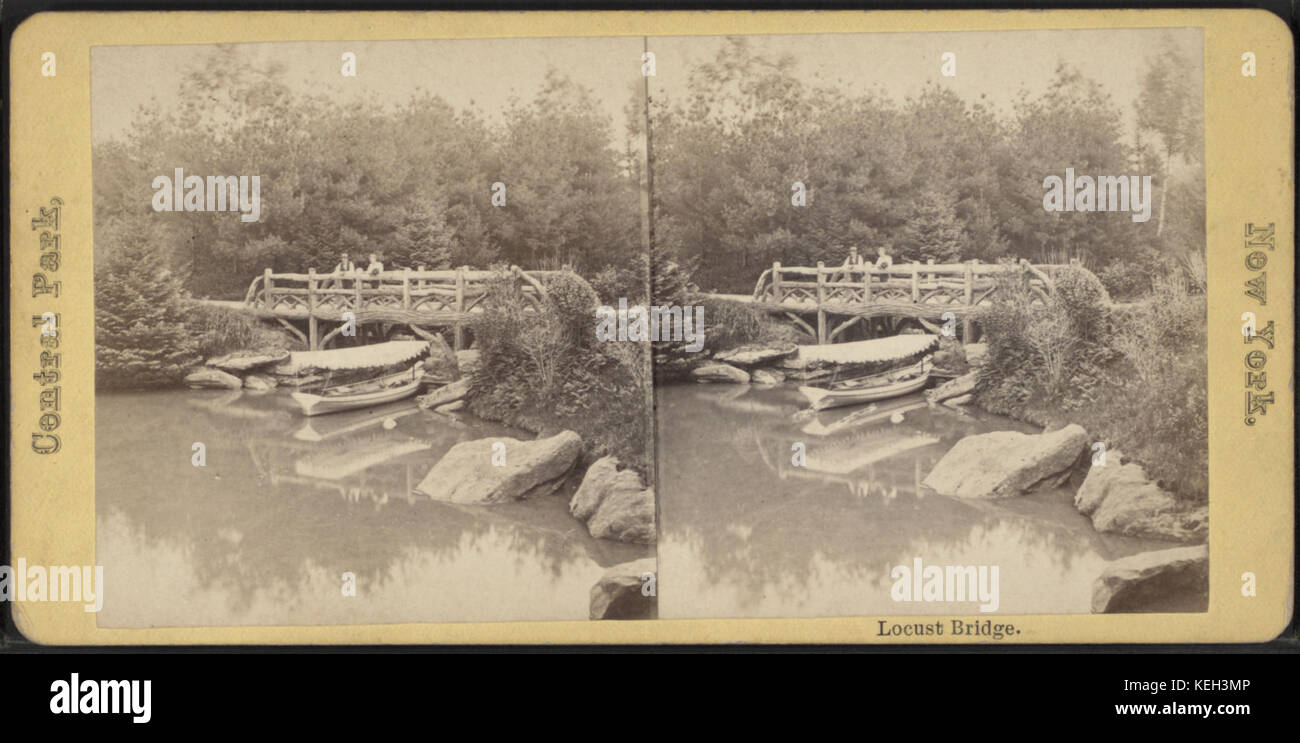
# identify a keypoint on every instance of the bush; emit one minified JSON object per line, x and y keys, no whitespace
{"x":218,"y":331}
{"x":543,"y":371}
{"x":141,"y":339}
{"x":1133,"y":376}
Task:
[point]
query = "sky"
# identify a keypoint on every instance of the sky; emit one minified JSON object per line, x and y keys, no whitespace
{"x":485,"y":74}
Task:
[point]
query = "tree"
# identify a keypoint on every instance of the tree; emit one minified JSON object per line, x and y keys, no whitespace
{"x":140,"y":335}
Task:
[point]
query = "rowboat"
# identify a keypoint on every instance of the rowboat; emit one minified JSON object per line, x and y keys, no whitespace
{"x":388,"y":388}
{"x":883,"y":386}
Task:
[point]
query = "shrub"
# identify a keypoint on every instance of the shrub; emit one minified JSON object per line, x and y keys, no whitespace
{"x":543,"y":371}
{"x":1133,"y":376}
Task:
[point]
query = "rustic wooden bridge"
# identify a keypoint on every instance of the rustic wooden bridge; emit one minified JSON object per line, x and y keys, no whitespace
{"x":923,"y":292}
{"x":417,"y":299}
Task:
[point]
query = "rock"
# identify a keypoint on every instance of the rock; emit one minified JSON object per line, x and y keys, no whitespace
{"x":626,"y":516}
{"x":621,"y":592}
{"x":756,"y":354}
{"x":717,"y":372}
{"x":1130,"y":583}
{"x":466,"y":473}
{"x":468,"y":362}
{"x":451,"y":407}
{"x":1121,"y":499}
{"x":241,"y":361}
{"x":208,"y":378}
{"x":615,"y":504}
{"x":977,"y":354}
{"x":767,"y":377}
{"x":259,"y":383}
{"x":950,"y":355}
{"x":1003,"y":464}
{"x":446,"y":394}
{"x":958,"y":401}
{"x":953,"y":388}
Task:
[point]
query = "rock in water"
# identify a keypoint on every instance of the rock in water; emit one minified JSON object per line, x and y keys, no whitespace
{"x":756,"y":354}
{"x":470,"y":472}
{"x":446,"y":394}
{"x":259,"y":383}
{"x":1003,"y":464}
{"x":767,"y":377}
{"x":716,"y":372}
{"x":614,"y":503}
{"x":953,"y":388}
{"x":1121,"y":499}
{"x":241,"y":361}
{"x":1131,"y":583}
{"x":621,"y":592}
{"x":207,"y":378}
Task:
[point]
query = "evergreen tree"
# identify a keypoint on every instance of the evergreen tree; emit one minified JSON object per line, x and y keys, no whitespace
{"x":140,"y":334}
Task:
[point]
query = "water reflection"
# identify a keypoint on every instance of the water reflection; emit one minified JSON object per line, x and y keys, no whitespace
{"x":285,"y":506}
{"x":747,"y":532}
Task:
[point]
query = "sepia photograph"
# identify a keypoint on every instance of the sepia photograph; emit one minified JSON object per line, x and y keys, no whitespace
{"x":954,"y":298}
{"x":346,"y":361}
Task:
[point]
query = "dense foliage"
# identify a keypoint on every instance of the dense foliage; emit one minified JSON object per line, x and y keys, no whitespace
{"x":936,"y":176}
{"x":1133,"y":375}
{"x":545,"y":371}
{"x":411,"y":180}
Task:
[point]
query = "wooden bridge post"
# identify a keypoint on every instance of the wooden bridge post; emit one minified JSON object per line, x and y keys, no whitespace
{"x":313,"y":339}
{"x":866,"y":285}
{"x":458,"y":335}
{"x":821,"y":300}
{"x":776,"y":282}
{"x":916,"y":286}
{"x":406,"y":288}
{"x":970,"y":297}
{"x":268,"y":285}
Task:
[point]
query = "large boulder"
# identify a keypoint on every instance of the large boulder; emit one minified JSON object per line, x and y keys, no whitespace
{"x":1003,"y":464}
{"x":614,"y":504}
{"x":626,"y":591}
{"x":242,"y":361}
{"x":753,"y":355}
{"x":1121,"y":499}
{"x":209,"y":378}
{"x":469,"y":472}
{"x":1136,"y":582}
{"x":717,"y":372}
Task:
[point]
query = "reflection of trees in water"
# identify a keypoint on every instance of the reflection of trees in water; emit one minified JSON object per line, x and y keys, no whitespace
{"x":754,"y":519}
{"x":254,"y":516}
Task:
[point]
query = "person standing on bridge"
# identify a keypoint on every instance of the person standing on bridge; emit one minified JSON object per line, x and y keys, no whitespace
{"x":375,"y":268}
{"x":883,"y":261}
{"x":343,"y":267}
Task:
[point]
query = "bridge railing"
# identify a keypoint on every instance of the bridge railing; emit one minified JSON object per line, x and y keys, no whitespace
{"x":416,"y":290}
{"x":918,"y":283}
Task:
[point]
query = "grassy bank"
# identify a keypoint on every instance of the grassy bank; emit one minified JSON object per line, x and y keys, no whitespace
{"x":1133,"y":375}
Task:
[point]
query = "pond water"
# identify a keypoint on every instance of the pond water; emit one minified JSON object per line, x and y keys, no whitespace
{"x":286,"y":505}
{"x":745,"y":533}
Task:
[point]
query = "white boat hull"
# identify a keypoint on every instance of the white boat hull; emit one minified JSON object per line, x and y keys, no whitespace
{"x":322,"y":404}
{"x":822,"y":399}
